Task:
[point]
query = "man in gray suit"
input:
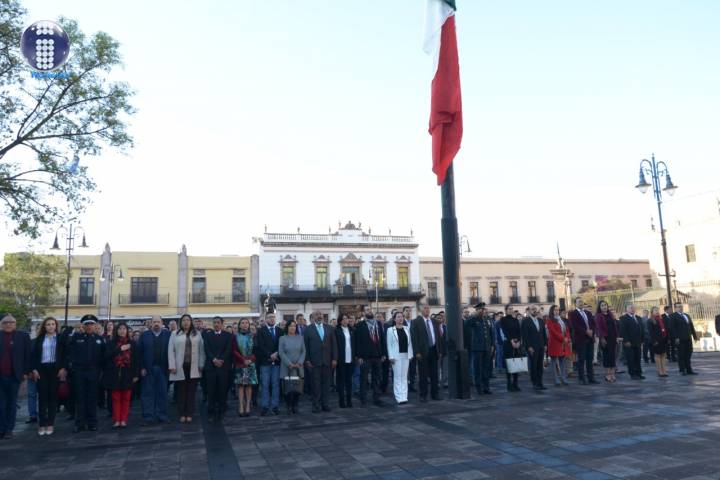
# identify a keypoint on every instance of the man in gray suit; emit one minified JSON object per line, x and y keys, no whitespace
{"x":321,"y":355}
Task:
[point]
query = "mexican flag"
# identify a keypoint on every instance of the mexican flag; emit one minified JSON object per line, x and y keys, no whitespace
{"x":446,"y":104}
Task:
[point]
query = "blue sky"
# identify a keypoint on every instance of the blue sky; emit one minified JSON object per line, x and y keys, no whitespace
{"x":299,"y":114}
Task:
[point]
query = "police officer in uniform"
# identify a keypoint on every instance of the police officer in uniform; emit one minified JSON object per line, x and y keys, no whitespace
{"x":478,"y":336}
{"x":85,"y":352}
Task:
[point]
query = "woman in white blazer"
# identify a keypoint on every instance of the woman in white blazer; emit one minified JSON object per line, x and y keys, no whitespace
{"x":186,"y":359}
{"x":399,"y":346}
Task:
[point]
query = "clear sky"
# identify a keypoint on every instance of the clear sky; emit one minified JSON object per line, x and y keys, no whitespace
{"x":300,"y":114}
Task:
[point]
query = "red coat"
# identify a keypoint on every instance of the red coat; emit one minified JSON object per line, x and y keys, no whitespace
{"x":556,"y":344}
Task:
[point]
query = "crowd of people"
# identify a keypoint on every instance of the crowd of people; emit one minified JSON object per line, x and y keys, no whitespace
{"x":259,"y":361}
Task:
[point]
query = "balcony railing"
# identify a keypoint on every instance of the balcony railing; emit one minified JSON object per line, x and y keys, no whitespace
{"x":533,"y":299}
{"x":75,"y":300}
{"x":335,"y":238}
{"x":358,"y":290}
{"x":474,"y":300}
{"x":514,"y":299}
{"x":434,"y":301}
{"x":495,"y":300}
{"x":218,"y":298}
{"x":550,"y":298}
{"x":157,"y":299}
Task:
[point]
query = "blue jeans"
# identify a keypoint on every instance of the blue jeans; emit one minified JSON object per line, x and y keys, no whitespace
{"x":270,"y":379}
{"x":9,"y":387}
{"x":32,"y":398}
{"x":153,"y":396}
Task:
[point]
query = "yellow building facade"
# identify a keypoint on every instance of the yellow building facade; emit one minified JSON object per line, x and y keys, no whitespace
{"x":133,"y":286}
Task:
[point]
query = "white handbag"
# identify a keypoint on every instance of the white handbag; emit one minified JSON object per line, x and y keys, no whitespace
{"x":517,"y":365}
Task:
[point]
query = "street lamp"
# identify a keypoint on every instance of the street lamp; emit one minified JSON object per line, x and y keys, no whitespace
{"x":108,"y":275}
{"x":69,"y":235}
{"x":464,"y":240}
{"x":657,"y":170}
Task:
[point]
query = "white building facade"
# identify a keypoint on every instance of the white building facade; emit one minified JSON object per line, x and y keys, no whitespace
{"x":338,"y":272}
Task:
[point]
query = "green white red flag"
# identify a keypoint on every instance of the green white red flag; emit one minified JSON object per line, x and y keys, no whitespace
{"x":446,"y":126}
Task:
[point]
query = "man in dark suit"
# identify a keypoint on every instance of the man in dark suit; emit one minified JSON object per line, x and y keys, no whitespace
{"x":267,"y":358}
{"x":371,"y":351}
{"x":632,"y":333}
{"x":153,"y":353}
{"x":218,"y":357}
{"x":15,"y":366}
{"x":583,"y":328}
{"x":479,"y":341}
{"x":321,"y":354}
{"x":534,"y":338}
{"x":683,"y":331}
{"x":672,"y":347}
{"x":428,"y":348}
{"x":385,"y":381}
{"x":717,"y":324}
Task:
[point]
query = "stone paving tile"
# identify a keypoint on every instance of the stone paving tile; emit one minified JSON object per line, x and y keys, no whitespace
{"x":649,"y":430}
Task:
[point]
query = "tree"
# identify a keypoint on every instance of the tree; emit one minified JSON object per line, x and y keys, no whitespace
{"x":46,"y":124}
{"x":31,"y":281}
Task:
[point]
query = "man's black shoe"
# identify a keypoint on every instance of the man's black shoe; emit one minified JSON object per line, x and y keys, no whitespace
{"x":276,"y":411}
{"x":92,"y":428}
{"x":683,"y":373}
{"x":487,"y":392}
{"x":31,"y":420}
{"x":641,"y":377}
{"x":692,"y":372}
{"x":437,"y":397}
{"x":326,"y":409}
{"x":316,"y":410}
{"x":412,"y":388}
{"x":583,"y":381}
{"x":423,"y":399}
{"x":263,"y":412}
{"x":593,"y":381}
{"x":78,"y":429}
{"x":379,"y":403}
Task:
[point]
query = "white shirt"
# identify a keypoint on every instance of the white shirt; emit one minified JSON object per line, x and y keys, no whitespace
{"x":537,"y":325}
{"x":431,"y":331}
{"x":348,"y":347}
{"x":48,"y":349}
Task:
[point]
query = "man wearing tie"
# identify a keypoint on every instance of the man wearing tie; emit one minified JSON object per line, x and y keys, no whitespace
{"x":321,"y":354}
{"x":371,"y":351}
{"x":683,"y":333}
{"x":267,"y":358}
{"x":534,"y":338}
{"x":428,"y":349}
{"x":583,"y":327}
{"x":218,"y":355}
{"x":632,"y":333}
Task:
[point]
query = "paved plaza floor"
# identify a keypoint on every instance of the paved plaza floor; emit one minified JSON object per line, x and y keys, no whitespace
{"x":651,"y":429}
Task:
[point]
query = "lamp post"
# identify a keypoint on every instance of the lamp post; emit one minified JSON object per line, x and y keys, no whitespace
{"x":69,"y":233}
{"x":656,"y":170}
{"x":464,"y":240}
{"x":109,"y":276}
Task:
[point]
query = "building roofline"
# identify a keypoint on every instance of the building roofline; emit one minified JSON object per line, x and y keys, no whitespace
{"x":521,"y":260}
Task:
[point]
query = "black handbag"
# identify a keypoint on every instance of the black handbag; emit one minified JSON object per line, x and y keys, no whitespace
{"x":293,"y":383}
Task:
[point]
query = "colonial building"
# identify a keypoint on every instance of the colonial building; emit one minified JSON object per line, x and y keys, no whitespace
{"x":338,"y":272}
{"x":524,"y":281}
{"x":133,"y":286}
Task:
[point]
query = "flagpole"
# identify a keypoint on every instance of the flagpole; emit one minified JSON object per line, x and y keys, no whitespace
{"x":458,"y":372}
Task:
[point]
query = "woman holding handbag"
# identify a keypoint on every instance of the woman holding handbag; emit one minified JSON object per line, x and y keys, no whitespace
{"x":186,"y":359}
{"x":558,"y":344}
{"x":510,"y":334}
{"x":400,"y":352}
{"x":122,"y":370}
{"x":291,"y":350}
{"x":245,"y":371}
